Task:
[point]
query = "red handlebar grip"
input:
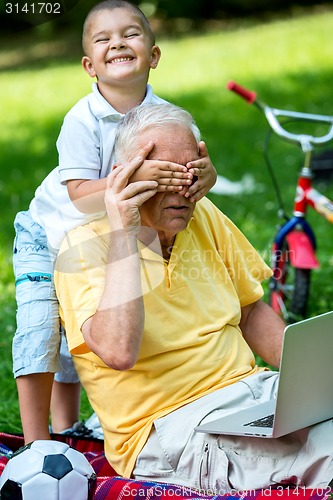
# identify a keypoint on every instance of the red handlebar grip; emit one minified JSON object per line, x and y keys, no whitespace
{"x":249,"y":96}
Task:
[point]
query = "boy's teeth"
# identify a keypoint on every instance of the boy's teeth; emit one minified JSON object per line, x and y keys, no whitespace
{"x":121,"y":59}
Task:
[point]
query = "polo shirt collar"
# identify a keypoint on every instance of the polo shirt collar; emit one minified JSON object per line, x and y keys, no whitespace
{"x":182,"y":241}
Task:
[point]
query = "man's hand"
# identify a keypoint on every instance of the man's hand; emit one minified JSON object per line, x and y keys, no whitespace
{"x":115,"y":331}
{"x":123,"y":199}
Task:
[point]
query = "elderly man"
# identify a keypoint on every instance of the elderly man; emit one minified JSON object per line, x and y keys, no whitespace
{"x":161,"y":300}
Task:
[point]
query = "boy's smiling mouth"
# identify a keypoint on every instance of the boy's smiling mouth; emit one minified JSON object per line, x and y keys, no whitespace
{"x":120,"y":59}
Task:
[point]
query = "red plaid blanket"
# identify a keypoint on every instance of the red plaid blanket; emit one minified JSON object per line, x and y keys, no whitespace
{"x":112,"y":487}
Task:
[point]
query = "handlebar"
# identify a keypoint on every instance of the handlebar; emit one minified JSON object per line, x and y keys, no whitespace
{"x":306,"y":141}
{"x":248,"y":95}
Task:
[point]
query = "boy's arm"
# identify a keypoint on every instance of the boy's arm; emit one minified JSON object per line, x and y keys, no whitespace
{"x":204,"y":172}
{"x":87,"y":195}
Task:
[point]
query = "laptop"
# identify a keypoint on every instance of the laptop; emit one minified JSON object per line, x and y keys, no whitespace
{"x":305,"y":391}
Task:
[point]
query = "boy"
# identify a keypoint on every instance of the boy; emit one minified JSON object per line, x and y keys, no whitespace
{"x":120,"y":50}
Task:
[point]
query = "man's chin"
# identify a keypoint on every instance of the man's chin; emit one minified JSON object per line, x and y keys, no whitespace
{"x":178,"y":224}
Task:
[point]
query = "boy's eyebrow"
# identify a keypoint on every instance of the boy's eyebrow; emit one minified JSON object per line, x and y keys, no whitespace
{"x":94,"y":35}
{"x":131,"y":26}
{"x":135,"y":26}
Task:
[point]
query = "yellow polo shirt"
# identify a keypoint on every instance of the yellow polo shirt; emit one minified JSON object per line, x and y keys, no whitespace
{"x":192,"y":344}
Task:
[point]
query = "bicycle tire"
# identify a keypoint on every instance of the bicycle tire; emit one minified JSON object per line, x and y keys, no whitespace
{"x":289,"y":290}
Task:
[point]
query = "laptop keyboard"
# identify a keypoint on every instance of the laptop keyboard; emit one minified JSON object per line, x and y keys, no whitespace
{"x":262,"y":422}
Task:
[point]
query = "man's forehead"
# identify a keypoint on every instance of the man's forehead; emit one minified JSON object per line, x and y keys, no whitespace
{"x":174,"y":143}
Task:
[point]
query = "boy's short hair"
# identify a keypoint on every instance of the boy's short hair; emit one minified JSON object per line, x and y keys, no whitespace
{"x":111,"y":5}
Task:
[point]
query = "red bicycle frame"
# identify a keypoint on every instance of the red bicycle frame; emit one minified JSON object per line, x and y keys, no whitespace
{"x":294,"y":244}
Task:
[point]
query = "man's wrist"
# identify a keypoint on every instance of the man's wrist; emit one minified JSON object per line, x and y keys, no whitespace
{"x":123,"y":243}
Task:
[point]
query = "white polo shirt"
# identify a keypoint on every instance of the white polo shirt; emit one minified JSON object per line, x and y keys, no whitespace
{"x":85,"y":147}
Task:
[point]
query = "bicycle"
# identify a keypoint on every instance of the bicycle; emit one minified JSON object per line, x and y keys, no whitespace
{"x":293,"y":252}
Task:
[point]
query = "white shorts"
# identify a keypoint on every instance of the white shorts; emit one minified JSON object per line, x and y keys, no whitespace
{"x":221,"y":465}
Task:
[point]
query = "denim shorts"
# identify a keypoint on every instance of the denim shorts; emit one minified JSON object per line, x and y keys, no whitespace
{"x":38,"y":337}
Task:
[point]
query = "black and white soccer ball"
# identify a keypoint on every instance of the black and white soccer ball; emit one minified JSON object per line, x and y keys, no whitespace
{"x":47,"y":470}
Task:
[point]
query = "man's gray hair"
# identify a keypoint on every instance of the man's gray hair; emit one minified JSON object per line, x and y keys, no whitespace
{"x":144,"y":117}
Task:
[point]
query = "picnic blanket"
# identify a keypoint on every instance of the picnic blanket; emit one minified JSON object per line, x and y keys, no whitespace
{"x":112,"y":487}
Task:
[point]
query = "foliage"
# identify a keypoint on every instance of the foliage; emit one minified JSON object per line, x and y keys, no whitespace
{"x":288,"y":63}
{"x":58,"y":15}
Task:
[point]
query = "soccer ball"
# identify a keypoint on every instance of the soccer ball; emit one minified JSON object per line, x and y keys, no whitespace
{"x":47,"y":470}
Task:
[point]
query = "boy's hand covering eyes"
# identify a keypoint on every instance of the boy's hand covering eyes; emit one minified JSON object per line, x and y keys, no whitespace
{"x":204,"y":175}
{"x":193,"y":180}
{"x":170,"y":176}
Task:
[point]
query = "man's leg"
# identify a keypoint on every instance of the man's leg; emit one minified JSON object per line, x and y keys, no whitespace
{"x":223,"y":464}
{"x":175,"y":453}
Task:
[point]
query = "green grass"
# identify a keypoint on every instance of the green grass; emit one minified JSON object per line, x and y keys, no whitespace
{"x":289,"y":63}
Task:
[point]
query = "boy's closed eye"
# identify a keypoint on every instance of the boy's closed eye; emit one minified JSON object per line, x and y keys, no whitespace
{"x":130,"y":35}
{"x":101,"y":37}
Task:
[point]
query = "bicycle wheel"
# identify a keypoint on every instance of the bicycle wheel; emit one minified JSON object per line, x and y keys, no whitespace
{"x":289,"y":289}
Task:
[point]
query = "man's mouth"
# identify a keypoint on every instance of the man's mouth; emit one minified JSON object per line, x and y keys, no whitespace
{"x":177,"y":208}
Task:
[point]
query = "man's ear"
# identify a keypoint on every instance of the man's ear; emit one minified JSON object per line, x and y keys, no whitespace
{"x":155,"y":56}
{"x":88,"y":66}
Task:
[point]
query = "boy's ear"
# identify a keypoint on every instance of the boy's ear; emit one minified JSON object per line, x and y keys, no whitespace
{"x":88,"y":66}
{"x":155,"y":56}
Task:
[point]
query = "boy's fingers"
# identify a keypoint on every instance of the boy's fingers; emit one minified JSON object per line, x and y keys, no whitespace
{"x":198,"y":171}
{"x":203,"y":151}
{"x":175,"y":167}
{"x":169,"y":176}
{"x":198,"y":165}
{"x":201,"y":162}
{"x":195,"y":194}
{"x":172,"y":181}
{"x":162,"y":188}
{"x":168,"y":166}
{"x":198,"y":195}
{"x":193,"y":189}
{"x":120,"y":175}
{"x":183,"y":191}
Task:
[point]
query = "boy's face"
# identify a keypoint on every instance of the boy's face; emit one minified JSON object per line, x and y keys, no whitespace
{"x":119,"y":50}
